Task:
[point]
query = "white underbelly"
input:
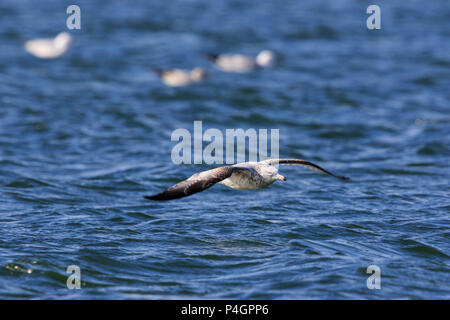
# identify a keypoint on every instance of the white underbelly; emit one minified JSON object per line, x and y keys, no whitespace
{"x":243,"y":183}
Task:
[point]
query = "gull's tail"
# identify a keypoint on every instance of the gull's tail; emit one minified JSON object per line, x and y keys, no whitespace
{"x":212,"y":57}
{"x":157,"y":71}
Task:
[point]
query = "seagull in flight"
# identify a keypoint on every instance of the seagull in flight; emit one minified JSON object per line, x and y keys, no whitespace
{"x":241,"y":176}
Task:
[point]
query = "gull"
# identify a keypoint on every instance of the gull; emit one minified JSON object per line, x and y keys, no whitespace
{"x":241,"y":63}
{"x":241,"y":176}
{"x":49,"y":48}
{"x":179,"y":77}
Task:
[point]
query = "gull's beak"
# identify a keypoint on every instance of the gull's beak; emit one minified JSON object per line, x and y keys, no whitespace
{"x":280,"y":177}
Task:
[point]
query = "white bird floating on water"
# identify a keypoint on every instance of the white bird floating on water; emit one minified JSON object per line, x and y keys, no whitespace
{"x":49,"y":48}
{"x":241,"y":176}
{"x":241,"y":63}
{"x":179,"y":77}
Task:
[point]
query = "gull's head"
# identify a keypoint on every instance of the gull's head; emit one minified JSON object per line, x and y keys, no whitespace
{"x":271,"y":172}
{"x":62,"y":40}
{"x":198,"y":74}
{"x":265,"y":58}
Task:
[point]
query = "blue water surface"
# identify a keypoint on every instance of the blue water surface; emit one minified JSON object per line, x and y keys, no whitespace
{"x":84,"y":137}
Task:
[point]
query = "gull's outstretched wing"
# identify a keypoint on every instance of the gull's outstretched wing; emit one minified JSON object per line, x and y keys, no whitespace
{"x":196,"y":183}
{"x":305,"y":164}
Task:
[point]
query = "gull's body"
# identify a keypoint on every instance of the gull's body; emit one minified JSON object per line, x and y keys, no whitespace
{"x":241,"y":63}
{"x":241,"y":176}
{"x":49,"y":48}
{"x":179,"y":77}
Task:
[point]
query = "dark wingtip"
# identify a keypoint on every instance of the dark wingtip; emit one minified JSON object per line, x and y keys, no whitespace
{"x":163,"y":196}
{"x":154,"y":197}
{"x":343,"y":178}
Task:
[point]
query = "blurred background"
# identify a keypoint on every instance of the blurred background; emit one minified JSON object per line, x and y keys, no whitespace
{"x":85,"y":136}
